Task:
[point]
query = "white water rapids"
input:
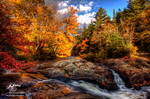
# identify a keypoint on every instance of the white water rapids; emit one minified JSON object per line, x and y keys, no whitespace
{"x":122,"y":93}
{"x":93,"y":89}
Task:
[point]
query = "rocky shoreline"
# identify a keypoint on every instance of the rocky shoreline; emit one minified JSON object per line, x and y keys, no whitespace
{"x":135,"y":74}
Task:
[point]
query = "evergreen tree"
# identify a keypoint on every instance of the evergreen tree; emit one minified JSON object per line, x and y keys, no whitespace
{"x":133,"y":18}
{"x":114,"y":16}
{"x":100,"y":18}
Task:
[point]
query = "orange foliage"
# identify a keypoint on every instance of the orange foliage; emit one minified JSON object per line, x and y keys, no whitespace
{"x":71,"y":21}
{"x":65,"y":39}
{"x":63,"y":45}
{"x":15,"y":1}
{"x":33,"y":26}
{"x":39,"y":10}
{"x":83,"y":46}
{"x":38,"y":29}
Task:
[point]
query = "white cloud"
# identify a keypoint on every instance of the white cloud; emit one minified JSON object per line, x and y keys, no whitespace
{"x":91,"y":3}
{"x":86,"y":18}
{"x":63,"y":4}
{"x":86,"y":8}
{"x":63,"y":7}
{"x":63,"y":11}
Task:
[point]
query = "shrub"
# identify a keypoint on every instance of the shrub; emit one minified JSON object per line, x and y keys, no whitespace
{"x":118,"y":46}
{"x":9,"y":63}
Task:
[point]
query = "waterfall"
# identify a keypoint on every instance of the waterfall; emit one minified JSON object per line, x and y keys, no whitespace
{"x":120,"y":83}
{"x":122,"y":93}
{"x":86,"y":87}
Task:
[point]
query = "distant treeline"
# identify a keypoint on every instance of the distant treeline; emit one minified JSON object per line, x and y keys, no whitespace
{"x":124,"y":35}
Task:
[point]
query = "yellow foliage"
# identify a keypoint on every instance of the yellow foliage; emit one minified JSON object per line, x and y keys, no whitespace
{"x":35,"y":25}
{"x":134,"y":50}
{"x":64,"y":46}
{"x":15,"y":1}
{"x":39,"y":10}
{"x":71,"y":21}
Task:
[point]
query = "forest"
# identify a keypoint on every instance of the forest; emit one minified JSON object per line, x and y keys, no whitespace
{"x":32,"y":32}
{"x":38,"y":32}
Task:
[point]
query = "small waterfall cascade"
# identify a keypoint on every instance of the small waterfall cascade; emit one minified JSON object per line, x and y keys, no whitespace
{"x":86,"y":87}
{"x":122,"y":93}
{"x":120,"y":83}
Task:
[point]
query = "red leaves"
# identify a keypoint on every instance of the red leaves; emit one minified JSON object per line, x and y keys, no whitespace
{"x":9,"y":63}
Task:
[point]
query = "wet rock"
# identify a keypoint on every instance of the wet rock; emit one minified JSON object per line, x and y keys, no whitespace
{"x":79,"y":69}
{"x":53,"y":72}
{"x":135,"y":73}
{"x":78,"y":96}
{"x":53,"y":90}
{"x":142,"y":62}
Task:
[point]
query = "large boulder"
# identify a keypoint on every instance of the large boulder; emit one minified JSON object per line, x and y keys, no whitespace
{"x":79,"y":69}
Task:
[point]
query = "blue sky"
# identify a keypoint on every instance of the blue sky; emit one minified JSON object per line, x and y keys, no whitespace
{"x":109,"y":5}
{"x":88,"y":8}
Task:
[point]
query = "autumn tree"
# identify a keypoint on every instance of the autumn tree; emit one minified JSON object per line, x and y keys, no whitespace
{"x":102,"y":39}
{"x":100,"y":17}
{"x":8,"y":39}
{"x":35,"y":25}
{"x":70,"y":23}
{"x":144,"y":36}
{"x":131,"y":20}
{"x":97,"y":38}
{"x":4,"y":23}
{"x":66,"y":38}
{"x":83,"y":40}
{"x":7,"y":33}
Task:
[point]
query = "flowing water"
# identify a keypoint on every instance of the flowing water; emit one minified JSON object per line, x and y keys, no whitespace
{"x":122,"y":93}
{"x":118,"y":80}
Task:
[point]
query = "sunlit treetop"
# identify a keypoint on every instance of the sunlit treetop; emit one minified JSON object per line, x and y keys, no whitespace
{"x":15,"y":1}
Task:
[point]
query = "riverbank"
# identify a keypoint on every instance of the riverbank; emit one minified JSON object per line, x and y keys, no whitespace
{"x":74,"y":78}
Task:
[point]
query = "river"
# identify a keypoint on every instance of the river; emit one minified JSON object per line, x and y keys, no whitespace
{"x":122,"y":93}
{"x":86,"y":87}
